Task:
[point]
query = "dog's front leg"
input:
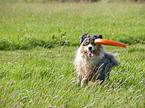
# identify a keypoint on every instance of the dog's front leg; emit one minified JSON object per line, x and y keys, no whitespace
{"x":84,"y":81}
{"x":79,"y":78}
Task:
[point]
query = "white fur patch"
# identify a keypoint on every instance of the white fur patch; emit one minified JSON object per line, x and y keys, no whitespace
{"x":84,"y":64}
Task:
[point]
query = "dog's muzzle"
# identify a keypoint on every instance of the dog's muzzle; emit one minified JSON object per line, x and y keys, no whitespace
{"x":90,"y":50}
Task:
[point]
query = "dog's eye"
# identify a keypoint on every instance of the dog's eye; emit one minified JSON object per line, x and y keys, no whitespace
{"x":86,"y":43}
{"x":93,"y":42}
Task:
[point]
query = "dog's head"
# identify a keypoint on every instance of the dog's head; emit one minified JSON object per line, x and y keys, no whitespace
{"x":88,"y":45}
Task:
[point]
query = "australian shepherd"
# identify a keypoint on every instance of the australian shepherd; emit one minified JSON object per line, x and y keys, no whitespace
{"x":91,"y":62}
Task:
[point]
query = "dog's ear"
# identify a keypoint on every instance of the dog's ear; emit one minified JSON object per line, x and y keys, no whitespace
{"x":98,"y":36}
{"x":83,"y":37}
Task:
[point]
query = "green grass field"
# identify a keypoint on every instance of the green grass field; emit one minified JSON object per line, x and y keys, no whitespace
{"x":38,"y":43}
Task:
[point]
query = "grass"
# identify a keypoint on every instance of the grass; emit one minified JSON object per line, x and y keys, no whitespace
{"x":38,"y":43}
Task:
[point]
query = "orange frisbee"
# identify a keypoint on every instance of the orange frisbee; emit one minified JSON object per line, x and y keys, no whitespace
{"x":109,"y":42}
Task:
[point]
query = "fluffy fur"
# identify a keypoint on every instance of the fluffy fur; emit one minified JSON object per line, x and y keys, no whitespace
{"x":91,"y":62}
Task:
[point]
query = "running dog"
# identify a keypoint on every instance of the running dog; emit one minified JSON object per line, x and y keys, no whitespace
{"x":91,"y":62}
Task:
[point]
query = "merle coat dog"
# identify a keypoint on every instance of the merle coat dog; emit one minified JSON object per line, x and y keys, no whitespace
{"x":91,"y":62}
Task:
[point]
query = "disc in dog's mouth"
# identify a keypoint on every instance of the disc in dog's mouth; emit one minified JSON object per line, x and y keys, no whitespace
{"x":90,"y":53}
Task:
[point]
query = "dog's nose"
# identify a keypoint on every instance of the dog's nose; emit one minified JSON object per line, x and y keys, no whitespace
{"x":90,"y":48}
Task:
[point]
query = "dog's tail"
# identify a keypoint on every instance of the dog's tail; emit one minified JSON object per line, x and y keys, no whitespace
{"x":112,"y":57}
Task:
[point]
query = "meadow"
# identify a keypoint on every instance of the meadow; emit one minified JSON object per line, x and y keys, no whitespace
{"x":38,"y":43}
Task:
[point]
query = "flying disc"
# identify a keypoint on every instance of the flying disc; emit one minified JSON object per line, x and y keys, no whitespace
{"x":109,"y":42}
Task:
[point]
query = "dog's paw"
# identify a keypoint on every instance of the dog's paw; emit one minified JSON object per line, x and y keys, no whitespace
{"x":90,"y":83}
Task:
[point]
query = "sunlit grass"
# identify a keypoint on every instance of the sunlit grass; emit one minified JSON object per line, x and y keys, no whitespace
{"x":38,"y":43}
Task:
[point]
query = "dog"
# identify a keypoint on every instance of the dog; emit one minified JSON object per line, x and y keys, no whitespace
{"x":91,"y":62}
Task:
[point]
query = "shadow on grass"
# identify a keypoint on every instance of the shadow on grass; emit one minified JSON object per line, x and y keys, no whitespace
{"x":30,"y":43}
{"x":7,"y":45}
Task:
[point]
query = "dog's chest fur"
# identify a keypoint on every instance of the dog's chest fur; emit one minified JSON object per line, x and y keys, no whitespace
{"x":85,"y":64}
